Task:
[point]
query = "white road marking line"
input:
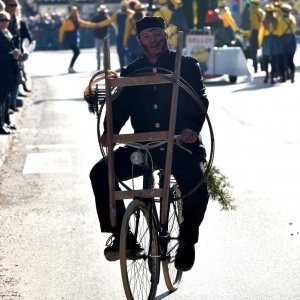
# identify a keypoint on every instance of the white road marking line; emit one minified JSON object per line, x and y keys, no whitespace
{"x":49,"y":162}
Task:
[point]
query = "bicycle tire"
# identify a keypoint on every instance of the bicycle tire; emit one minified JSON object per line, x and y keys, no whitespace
{"x":140,"y":272}
{"x":171,"y":275}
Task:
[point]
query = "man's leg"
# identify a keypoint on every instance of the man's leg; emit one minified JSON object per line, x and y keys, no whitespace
{"x":253,"y":48}
{"x":188,"y":174}
{"x":76,"y":53}
{"x":99,"y":180}
{"x":121,"y":52}
{"x":188,"y":171}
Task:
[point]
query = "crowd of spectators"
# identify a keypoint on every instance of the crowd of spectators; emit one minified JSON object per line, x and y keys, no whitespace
{"x":44,"y":30}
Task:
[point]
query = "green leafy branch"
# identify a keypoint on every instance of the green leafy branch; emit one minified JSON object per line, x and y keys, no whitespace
{"x":218,"y":187}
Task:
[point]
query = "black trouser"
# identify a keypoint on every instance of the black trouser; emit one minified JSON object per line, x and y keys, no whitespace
{"x":76,"y":53}
{"x":254,"y":47}
{"x":286,"y":63}
{"x":4,"y":106}
{"x":187,"y":170}
{"x":121,"y":52}
{"x":270,"y":59}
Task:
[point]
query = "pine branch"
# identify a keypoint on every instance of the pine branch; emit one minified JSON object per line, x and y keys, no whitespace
{"x":218,"y":188}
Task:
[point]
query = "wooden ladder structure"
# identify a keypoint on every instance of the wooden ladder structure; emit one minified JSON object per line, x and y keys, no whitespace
{"x":140,"y":137}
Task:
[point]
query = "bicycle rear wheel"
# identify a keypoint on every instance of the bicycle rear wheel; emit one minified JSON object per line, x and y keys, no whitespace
{"x":171,"y":274}
{"x":140,"y":270}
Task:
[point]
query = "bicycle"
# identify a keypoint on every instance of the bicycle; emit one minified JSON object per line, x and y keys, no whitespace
{"x":157,"y":242}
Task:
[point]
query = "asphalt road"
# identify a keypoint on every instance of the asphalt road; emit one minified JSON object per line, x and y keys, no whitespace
{"x":50,"y":243}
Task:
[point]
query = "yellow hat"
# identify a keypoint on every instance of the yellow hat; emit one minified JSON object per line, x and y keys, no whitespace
{"x":255,"y":2}
{"x":269,"y":7}
{"x":222,"y":3}
{"x":176,"y":2}
{"x":138,"y":6}
{"x":286,"y":7}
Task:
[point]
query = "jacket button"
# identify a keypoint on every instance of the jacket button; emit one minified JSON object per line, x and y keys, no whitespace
{"x":157,"y":125}
{"x":155,"y":106}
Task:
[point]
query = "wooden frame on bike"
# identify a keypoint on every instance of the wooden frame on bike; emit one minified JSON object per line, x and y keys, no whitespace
{"x":140,"y":137}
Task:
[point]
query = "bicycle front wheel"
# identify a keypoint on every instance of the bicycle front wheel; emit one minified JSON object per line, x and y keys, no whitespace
{"x":171,"y":274}
{"x":140,"y":270}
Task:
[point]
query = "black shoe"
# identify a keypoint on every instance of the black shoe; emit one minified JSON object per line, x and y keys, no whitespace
{"x":112,"y":250}
{"x":5,"y":130}
{"x":14,"y":108}
{"x":19,"y":102}
{"x":185,"y":257}
{"x":12,"y":126}
{"x":22,"y":95}
{"x":26,"y":89}
{"x":292,"y":78}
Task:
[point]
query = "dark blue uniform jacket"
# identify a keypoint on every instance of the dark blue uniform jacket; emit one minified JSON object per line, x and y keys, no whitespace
{"x":149,"y":106}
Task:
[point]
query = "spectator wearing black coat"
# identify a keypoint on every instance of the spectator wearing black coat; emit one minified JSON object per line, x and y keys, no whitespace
{"x":9,"y":70}
{"x":13,"y":8}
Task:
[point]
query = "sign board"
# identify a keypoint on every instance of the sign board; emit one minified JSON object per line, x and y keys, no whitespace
{"x":199,"y":47}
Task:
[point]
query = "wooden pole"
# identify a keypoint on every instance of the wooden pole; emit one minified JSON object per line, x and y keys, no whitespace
{"x":109,"y":131}
{"x":171,"y":133}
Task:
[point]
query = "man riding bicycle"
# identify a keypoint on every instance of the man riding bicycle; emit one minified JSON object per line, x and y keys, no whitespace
{"x":148,"y":106}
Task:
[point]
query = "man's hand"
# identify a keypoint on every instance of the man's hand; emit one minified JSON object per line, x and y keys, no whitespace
{"x":103,"y":140}
{"x":188,"y":136}
{"x":16,"y":53}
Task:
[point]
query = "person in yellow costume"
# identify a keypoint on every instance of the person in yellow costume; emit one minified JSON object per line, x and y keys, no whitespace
{"x":129,"y":40}
{"x":69,"y":34}
{"x":164,"y":11}
{"x":256,"y":16}
{"x":286,"y":29}
{"x":228,"y":21}
{"x":119,"y":19}
{"x":268,"y":40}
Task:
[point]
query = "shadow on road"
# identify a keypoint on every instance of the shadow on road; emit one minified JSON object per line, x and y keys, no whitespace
{"x":38,"y":102}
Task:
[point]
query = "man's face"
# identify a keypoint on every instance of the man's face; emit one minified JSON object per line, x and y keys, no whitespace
{"x":124,"y":8}
{"x":11,"y":7}
{"x":153,"y":41}
{"x":4,"y":20}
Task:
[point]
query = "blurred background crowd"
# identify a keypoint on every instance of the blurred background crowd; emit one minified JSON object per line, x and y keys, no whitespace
{"x":27,"y":25}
